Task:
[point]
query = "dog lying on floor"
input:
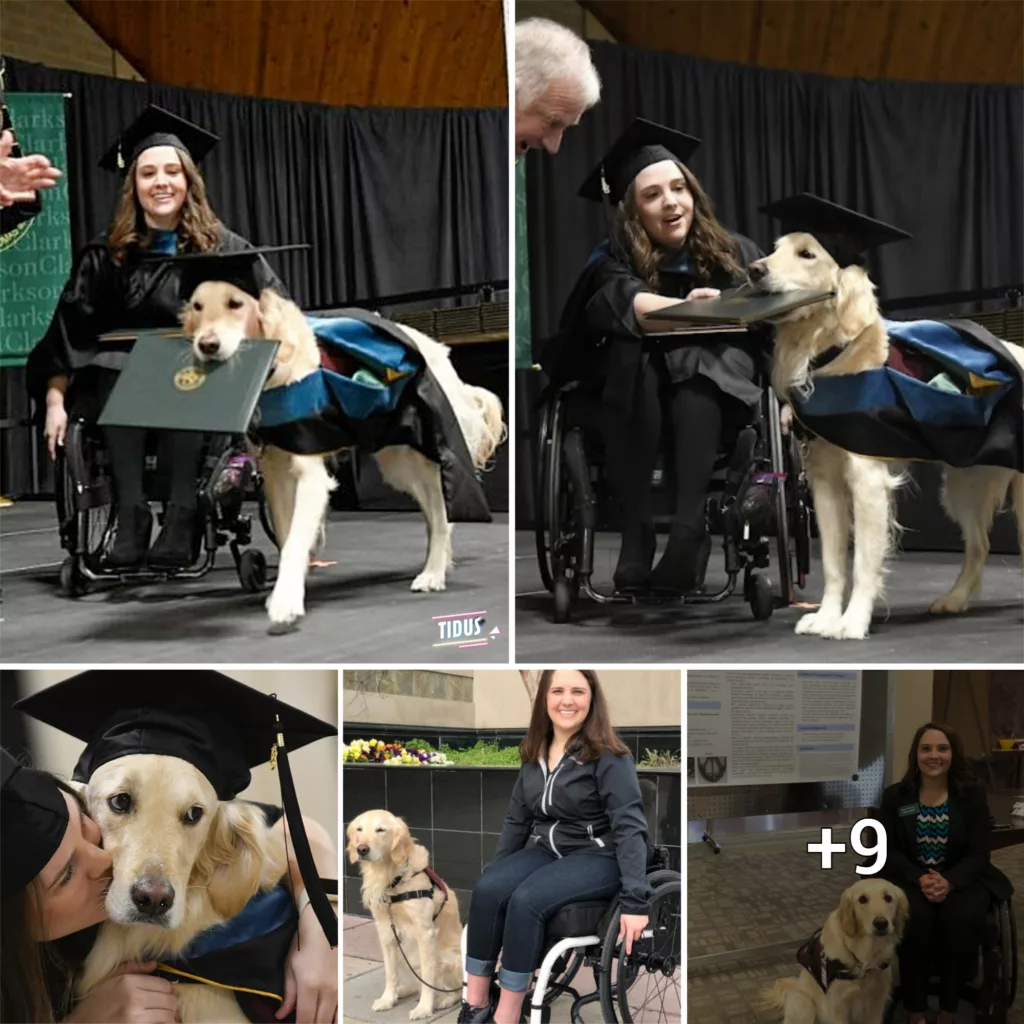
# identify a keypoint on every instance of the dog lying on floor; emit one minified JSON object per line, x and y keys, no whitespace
{"x":428,"y":928}
{"x":847,"y":967}
{"x":217,"y":317}
{"x":174,"y":879}
{"x":843,"y":483}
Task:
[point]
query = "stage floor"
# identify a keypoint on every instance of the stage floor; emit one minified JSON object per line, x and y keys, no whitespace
{"x":902,"y":632}
{"x":357,"y":611}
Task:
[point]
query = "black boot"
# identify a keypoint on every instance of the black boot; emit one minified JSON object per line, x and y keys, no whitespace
{"x":475,"y":1014}
{"x":176,"y":544}
{"x":134,"y":526}
{"x":682,"y":566}
{"x":633,"y":570}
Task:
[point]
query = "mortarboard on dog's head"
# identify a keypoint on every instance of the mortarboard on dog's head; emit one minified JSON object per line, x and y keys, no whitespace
{"x":844,"y":234}
{"x":157,"y":127}
{"x":214,"y":722}
{"x":642,"y":143}
{"x":236,"y":268}
{"x":33,"y":821}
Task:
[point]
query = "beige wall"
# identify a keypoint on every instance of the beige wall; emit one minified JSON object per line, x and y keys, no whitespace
{"x":50,"y":32}
{"x":412,"y":711}
{"x":911,"y":703}
{"x":961,"y":692}
{"x":315,"y":766}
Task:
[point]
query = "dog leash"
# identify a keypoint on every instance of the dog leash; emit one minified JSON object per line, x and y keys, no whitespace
{"x":435,"y":883}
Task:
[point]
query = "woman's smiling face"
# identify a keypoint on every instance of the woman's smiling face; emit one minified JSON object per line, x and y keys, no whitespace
{"x":568,"y":700}
{"x":934,"y":754}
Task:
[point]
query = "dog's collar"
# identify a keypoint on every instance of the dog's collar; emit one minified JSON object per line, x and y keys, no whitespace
{"x":825,"y":969}
{"x":824,"y":358}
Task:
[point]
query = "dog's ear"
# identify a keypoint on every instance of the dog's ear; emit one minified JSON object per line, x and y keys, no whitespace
{"x":401,"y":842}
{"x":899,"y":922}
{"x":274,"y":315}
{"x":856,"y":307}
{"x":350,"y":835}
{"x":189,"y":319}
{"x":848,"y":914}
{"x":241,"y":856}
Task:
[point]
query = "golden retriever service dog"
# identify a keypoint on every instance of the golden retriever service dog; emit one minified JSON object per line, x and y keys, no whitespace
{"x":858,"y":945}
{"x":428,"y":929}
{"x":217,"y":317}
{"x":843,"y":483}
{"x":183,"y":861}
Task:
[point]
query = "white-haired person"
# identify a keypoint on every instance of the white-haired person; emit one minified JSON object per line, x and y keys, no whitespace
{"x":556,"y":82}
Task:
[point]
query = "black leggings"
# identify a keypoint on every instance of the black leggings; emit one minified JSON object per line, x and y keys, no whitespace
{"x":695,"y":412}
{"x":178,"y":450}
{"x":941,"y":938}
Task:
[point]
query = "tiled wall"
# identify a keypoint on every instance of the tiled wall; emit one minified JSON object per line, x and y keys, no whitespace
{"x":457,"y":813}
{"x":437,"y":685}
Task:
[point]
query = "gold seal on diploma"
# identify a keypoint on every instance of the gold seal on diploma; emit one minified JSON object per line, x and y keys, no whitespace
{"x":189,"y":378}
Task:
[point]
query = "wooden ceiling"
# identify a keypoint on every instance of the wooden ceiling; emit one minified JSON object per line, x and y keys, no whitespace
{"x":379,"y":53}
{"x":919,"y":40}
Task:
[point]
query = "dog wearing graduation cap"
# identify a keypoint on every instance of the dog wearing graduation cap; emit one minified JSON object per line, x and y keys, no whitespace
{"x":820,"y":250}
{"x":196,"y":872}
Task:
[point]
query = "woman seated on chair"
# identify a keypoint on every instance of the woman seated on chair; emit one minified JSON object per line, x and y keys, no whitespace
{"x":938,"y":830}
{"x":575,"y":830}
{"x":117,"y":283}
{"x":665,"y":246}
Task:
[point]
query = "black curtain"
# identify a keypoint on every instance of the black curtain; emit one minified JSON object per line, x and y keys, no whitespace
{"x":944,"y":162}
{"x":391,"y":200}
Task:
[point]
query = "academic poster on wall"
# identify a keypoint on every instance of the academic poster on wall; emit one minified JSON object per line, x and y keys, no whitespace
{"x":751,"y":728}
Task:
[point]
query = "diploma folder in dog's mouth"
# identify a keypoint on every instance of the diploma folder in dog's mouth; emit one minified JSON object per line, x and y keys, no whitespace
{"x":736,"y":308}
{"x":164,"y":387}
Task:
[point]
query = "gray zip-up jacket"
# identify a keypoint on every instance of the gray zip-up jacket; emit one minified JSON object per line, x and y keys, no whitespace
{"x":579,"y":807}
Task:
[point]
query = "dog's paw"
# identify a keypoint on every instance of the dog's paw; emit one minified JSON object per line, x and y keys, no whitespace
{"x":385,"y":1002}
{"x":427,"y":581}
{"x":818,"y":624}
{"x":421,"y":1010}
{"x":851,"y":629}
{"x":285,"y":606}
{"x":952,"y":603}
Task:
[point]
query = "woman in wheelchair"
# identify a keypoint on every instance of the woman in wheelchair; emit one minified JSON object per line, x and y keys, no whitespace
{"x":116,"y":283}
{"x":575,"y":830}
{"x":665,"y":245}
{"x":938,"y":826}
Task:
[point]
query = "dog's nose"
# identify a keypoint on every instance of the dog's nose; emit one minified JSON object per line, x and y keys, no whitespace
{"x":756,"y":271}
{"x":881,"y":925}
{"x":208,"y":345}
{"x":153,"y":896}
{"x":362,"y":850}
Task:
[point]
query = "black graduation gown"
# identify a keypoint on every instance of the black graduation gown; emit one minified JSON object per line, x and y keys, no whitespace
{"x":599,"y":336}
{"x":101,"y":296}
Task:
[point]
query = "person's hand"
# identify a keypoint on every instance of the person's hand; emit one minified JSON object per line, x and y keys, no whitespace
{"x":934,"y":886}
{"x":786,"y":419}
{"x":21,"y":176}
{"x":56,"y":425}
{"x":630,"y":928}
{"x":702,"y":293}
{"x":310,"y":974}
{"x":130,"y":996}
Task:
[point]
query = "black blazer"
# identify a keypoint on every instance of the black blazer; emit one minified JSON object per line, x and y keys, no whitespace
{"x":967,"y":849}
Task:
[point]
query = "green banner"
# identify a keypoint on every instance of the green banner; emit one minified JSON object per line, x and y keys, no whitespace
{"x":35,"y":258}
{"x":523,"y":358}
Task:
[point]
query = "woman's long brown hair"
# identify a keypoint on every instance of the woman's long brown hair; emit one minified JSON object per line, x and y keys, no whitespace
{"x":961,"y":778}
{"x":595,"y":735}
{"x":198,"y":229}
{"x":709,"y":244}
{"x":24,"y":992}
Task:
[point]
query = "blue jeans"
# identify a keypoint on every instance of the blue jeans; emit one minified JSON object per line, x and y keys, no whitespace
{"x":513,"y":901}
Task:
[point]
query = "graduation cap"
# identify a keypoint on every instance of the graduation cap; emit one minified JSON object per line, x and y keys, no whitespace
{"x":844,"y":234}
{"x":34,"y":818}
{"x":214,"y":722}
{"x":157,"y":127}
{"x":237,"y":268}
{"x":643,"y":143}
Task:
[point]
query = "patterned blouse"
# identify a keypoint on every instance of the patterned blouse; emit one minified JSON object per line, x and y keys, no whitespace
{"x":932,"y":834}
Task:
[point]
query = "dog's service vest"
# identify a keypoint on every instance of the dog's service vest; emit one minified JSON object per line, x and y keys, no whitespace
{"x":824,"y":969}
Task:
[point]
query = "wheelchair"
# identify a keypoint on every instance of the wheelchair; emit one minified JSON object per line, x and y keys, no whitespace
{"x":994,"y":988}
{"x":767,"y":495}
{"x":87,"y":511}
{"x":645,"y":986}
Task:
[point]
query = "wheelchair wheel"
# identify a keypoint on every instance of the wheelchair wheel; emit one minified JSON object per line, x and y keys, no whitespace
{"x":563,"y":595}
{"x":252,"y":570}
{"x":545,"y":455}
{"x":799,"y":504}
{"x":757,"y":589}
{"x":646,"y":986}
{"x":72,"y":581}
{"x":84,"y":496}
{"x":1012,"y":953}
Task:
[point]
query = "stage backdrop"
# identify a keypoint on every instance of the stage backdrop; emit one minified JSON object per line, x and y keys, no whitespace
{"x":392,"y":200}
{"x":944,"y":162}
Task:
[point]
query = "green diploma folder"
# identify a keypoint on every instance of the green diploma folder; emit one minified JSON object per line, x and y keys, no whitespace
{"x":735,"y":308}
{"x":164,"y":387}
